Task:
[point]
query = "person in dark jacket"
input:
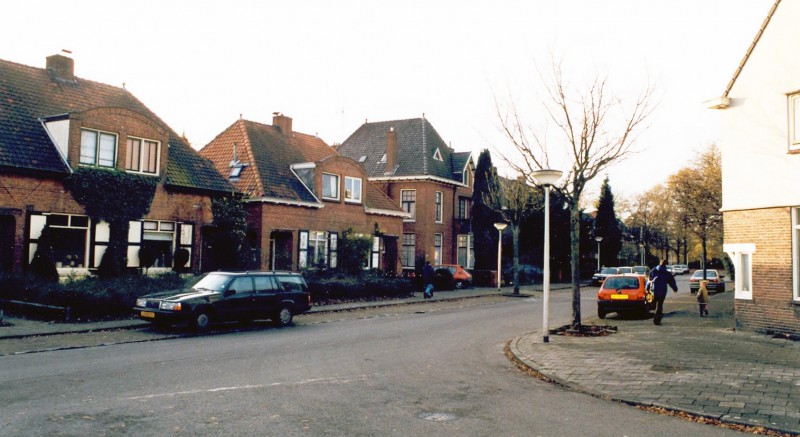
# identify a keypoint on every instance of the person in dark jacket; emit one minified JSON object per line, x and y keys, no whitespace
{"x":660,"y":278}
{"x":427,"y":279}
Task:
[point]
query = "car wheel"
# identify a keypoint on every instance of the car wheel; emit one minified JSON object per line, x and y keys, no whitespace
{"x":459,"y":285}
{"x":601,"y":313}
{"x":284,"y":316}
{"x":201,"y":319}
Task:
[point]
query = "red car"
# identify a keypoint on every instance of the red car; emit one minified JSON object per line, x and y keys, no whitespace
{"x":460,"y":277}
{"x":624,"y":293}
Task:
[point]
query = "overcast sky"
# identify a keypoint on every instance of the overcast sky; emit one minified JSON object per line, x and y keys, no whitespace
{"x":331,"y":65}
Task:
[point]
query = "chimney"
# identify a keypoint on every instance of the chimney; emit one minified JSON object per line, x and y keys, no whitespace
{"x":282,"y":122}
{"x":60,"y":66}
{"x":391,"y":151}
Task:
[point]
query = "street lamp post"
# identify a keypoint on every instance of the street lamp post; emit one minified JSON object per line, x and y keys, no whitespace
{"x":598,"y":239}
{"x":547,"y":178}
{"x":500,"y":227}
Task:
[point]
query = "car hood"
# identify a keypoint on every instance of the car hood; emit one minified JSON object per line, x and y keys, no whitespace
{"x":182,"y":295}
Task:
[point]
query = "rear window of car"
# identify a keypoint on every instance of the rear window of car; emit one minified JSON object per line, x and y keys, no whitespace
{"x":709,"y":274}
{"x":292,"y":283}
{"x":617,"y":283}
{"x":609,"y":270}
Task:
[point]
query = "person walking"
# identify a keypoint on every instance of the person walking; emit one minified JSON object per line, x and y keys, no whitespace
{"x":702,"y":298}
{"x":660,"y":278}
{"x":427,"y":280}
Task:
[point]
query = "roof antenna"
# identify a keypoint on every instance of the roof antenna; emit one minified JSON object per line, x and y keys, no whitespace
{"x":66,"y":51}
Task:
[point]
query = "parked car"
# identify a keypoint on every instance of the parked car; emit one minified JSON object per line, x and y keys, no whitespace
{"x":624,"y":294}
{"x":228,"y":296}
{"x":528,"y":274}
{"x":458,"y":277}
{"x":600,"y":276}
{"x":680,"y":269}
{"x":625,"y":270}
{"x":671,"y":269}
{"x":641,"y":270}
{"x":716,"y":281}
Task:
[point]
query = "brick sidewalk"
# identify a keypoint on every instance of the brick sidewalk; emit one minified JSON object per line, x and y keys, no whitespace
{"x":698,"y":365}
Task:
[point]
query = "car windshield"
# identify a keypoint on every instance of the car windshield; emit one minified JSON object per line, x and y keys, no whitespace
{"x":609,"y":270}
{"x":213,"y":282}
{"x":616,"y":283}
{"x":640,"y":269}
{"x":625,"y":270}
{"x":709,"y":274}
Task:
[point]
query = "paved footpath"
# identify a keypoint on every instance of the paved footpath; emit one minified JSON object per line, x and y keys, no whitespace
{"x":692,"y":364}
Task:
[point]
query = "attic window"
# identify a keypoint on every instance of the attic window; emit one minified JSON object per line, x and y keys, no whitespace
{"x":236,"y":172}
{"x":363,"y":158}
{"x":383,"y":159}
{"x":437,"y":155}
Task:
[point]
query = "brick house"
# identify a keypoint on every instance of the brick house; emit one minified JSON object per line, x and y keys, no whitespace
{"x":411,"y":163}
{"x":760,"y":132}
{"x":52,"y":122}
{"x":302,"y":195}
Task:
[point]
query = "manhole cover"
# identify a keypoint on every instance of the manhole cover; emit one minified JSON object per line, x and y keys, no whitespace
{"x":437,"y":417}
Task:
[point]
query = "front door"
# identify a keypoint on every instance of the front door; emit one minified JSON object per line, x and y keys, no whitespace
{"x":7,"y":227}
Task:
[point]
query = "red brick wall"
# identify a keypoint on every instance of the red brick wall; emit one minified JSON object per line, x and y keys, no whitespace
{"x":772,"y":308}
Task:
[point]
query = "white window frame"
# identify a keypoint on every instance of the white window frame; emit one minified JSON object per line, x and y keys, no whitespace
{"x":437,"y":155}
{"x":741,"y":255}
{"x":317,"y":249}
{"x":143,"y":143}
{"x":353,"y":188}
{"x":404,"y":249}
{"x":335,"y":186}
{"x":97,"y":141}
{"x":412,"y":205}
{"x":439,"y":201}
{"x":793,"y":103}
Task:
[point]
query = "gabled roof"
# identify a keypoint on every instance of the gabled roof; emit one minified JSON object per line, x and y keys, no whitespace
{"x":29,"y":94}
{"x":271,"y":155}
{"x":417,"y":142}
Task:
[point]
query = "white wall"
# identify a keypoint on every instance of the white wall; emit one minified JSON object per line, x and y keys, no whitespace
{"x":757,"y":170}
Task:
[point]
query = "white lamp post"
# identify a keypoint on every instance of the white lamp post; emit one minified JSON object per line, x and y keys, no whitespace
{"x":547,"y":178}
{"x":500,"y":227}
{"x":598,"y":240}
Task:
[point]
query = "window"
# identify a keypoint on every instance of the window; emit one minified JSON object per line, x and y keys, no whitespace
{"x":742,"y":257}
{"x":437,"y":155}
{"x":142,"y":156}
{"x":408,"y":201}
{"x":98,"y":148}
{"x":796,"y":253}
{"x":408,"y":250}
{"x":330,"y":186}
{"x":464,"y":205}
{"x":333,"y":250}
{"x":352,"y":189}
{"x":466,"y":251}
{"x":375,"y":255}
{"x":794,"y":121}
{"x":158,"y":237}
{"x":437,"y":249}
{"x":318,"y":248}
{"x":438,"y":199}
{"x":242,"y":285}
{"x":67,"y":235}
{"x":465,"y":177}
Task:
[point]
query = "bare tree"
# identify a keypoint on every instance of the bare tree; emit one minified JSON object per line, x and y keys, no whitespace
{"x":596,"y":130}
{"x":514,"y":200}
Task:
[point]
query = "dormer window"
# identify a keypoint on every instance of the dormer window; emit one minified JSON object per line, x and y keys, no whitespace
{"x":98,"y":148}
{"x":383,"y":159}
{"x":236,"y":172}
{"x":330,"y":186}
{"x":363,"y":158}
{"x":143,"y":156}
{"x":437,"y":155}
{"x":352,"y":189}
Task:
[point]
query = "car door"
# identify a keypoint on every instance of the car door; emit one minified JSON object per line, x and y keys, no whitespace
{"x":237,"y":303}
{"x":265,"y":300}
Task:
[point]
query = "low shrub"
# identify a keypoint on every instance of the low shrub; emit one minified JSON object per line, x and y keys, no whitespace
{"x":90,"y":298}
{"x":332,"y":286}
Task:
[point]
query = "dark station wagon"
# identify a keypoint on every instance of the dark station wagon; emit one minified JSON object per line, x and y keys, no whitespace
{"x":229,"y":296}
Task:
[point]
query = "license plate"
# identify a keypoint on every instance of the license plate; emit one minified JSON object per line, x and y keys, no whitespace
{"x":619,"y":297}
{"x":148,"y":314}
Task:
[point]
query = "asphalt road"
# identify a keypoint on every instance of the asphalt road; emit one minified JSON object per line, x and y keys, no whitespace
{"x":428,"y":369}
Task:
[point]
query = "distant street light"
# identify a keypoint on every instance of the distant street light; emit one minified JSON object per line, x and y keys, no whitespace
{"x":598,"y":240}
{"x":547,"y":178}
{"x":500,"y":227}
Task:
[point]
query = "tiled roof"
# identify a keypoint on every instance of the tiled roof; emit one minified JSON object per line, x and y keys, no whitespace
{"x":460,"y":160}
{"x":417,"y":142}
{"x":28,"y":94}
{"x":270,"y":155}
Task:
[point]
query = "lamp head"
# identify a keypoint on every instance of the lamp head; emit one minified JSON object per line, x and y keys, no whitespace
{"x":500,"y":226}
{"x":547,"y":177}
{"x":598,"y":239}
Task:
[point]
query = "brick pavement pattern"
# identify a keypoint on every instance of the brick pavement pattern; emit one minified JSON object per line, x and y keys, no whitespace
{"x":692,"y":364}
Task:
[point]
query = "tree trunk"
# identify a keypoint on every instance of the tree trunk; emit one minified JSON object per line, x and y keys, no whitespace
{"x":575,"y":240}
{"x":515,"y":235}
